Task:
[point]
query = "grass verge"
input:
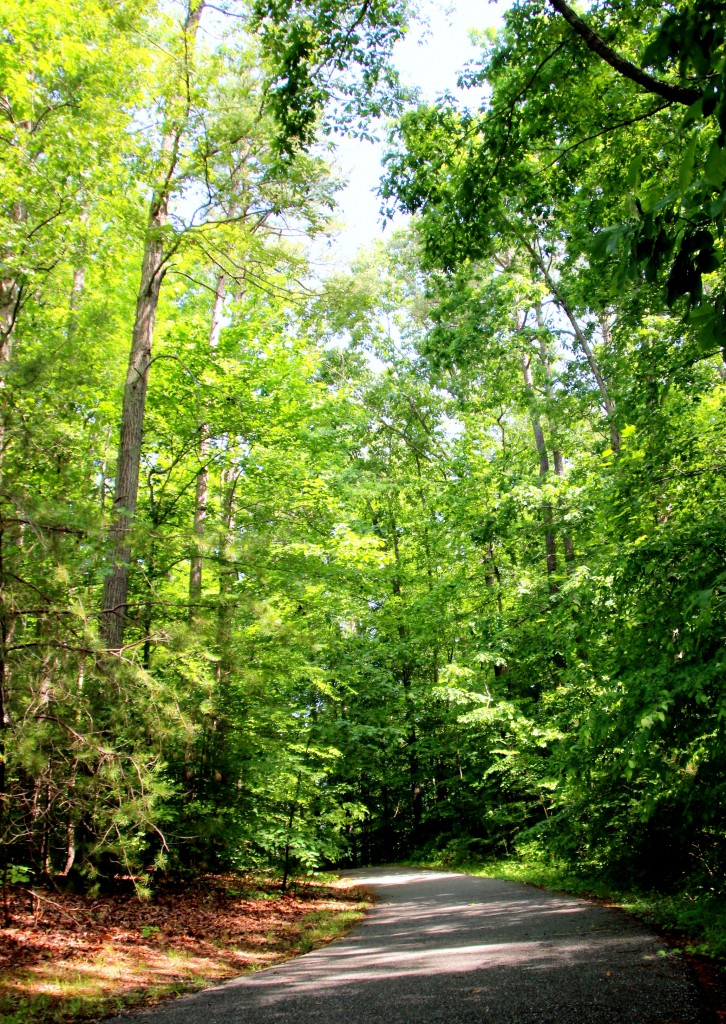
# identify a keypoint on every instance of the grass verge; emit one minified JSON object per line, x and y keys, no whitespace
{"x":69,"y":958}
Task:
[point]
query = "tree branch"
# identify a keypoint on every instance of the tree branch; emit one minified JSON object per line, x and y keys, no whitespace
{"x":667,"y":90}
{"x":609,"y":128}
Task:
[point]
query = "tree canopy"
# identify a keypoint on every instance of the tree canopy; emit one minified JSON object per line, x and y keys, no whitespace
{"x":424,"y":557}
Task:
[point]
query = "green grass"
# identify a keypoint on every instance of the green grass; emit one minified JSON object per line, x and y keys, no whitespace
{"x":320,"y":927}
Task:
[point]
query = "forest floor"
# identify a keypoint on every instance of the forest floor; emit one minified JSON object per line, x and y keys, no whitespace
{"x":67,"y":957}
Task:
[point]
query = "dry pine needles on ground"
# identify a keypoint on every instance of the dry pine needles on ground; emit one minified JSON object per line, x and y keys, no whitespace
{"x":67,"y":957}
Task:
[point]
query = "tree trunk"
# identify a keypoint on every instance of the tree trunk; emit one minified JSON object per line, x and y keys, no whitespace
{"x":116,"y":585}
{"x":79,"y":283}
{"x":200,"y":500}
{"x":77,"y":289}
{"x":71,"y":824}
{"x":3,"y":713}
{"x":559,"y":462}
{"x":567,"y":541}
{"x":226,"y":573}
{"x":215,"y":729}
{"x":148,"y":610}
{"x":492,"y":574}
{"x":10,"y":295}
{"x":493,"y":577}
{"x":406,"y":679}
{"x":544,"y":468}
{"x":290,"y":822}
{"x":582,"y":341}
{"x":607,"y":401}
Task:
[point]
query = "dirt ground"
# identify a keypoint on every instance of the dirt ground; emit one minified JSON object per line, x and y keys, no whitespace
{"x":69,"y":957}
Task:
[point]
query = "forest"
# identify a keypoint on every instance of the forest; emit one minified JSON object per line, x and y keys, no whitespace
{"x":419,"y":559}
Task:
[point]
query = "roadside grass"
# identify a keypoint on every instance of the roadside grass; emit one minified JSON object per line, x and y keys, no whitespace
{"x":320,"y":927}
{"x":86,"y":960}
{"x":695,"y":919}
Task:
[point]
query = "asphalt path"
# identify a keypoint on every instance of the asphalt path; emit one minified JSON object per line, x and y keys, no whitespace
{"x":444,"y":948}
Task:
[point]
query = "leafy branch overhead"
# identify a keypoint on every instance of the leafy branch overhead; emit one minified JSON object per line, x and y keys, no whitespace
{"x":332,"y":56}
{"x":561,"y":96}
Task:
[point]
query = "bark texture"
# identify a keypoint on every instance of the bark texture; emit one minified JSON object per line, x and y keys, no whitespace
{"x":581,"y":339}
{"x":11,"y":294}
{"x":74,"y":301}
{"x":544,"y":469}
{"x":115,"y":591}
{"x":116,"y":585}
{"x":567,"y":542}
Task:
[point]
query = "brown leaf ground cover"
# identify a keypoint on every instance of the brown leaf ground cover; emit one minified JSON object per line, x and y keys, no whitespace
{"x":68,"y":957}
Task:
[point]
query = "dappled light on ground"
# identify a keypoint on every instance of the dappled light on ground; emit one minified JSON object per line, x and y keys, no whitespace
{"x":451,"y":949}
{"x":77,"y":958}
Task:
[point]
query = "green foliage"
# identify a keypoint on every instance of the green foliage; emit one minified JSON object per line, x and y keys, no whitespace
{"x":178,"y":753}
{"x":349,"y":43}
{"x":427,"y":556}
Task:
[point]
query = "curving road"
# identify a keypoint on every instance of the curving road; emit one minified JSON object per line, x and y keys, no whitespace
{"x":442,"y":948}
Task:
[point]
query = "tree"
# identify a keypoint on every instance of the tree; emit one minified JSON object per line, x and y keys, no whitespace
{"x":301,"y":47}
{"x":425,"y":557}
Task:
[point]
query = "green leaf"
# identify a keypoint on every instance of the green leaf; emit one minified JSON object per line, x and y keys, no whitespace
{"x":685,"y":171}
{"x":715,"y":169}
{"x":633,"y":178}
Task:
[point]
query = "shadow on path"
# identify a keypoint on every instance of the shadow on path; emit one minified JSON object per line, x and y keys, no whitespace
{"x":444,"y":948}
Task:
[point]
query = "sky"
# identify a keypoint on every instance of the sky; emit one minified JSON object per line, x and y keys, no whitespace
{"x":429,"y":58}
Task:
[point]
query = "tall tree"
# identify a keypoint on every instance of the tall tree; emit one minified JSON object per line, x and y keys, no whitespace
{"x":175,"y":122}
{"x":302,"y":46}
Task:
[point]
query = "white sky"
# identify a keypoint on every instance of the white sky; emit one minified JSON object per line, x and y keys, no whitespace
{"x":430,"y":59}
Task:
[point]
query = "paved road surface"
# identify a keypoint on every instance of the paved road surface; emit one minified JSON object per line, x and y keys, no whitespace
{"x":442,"y":948}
